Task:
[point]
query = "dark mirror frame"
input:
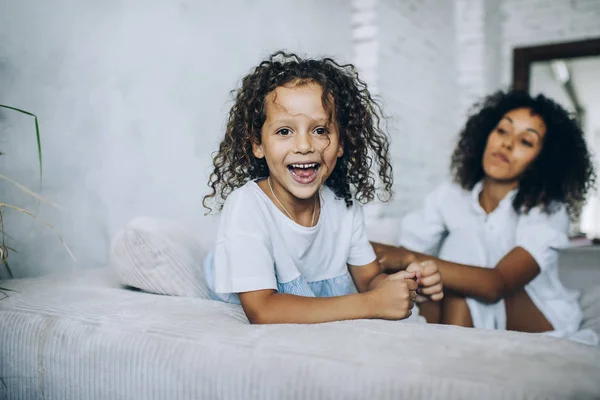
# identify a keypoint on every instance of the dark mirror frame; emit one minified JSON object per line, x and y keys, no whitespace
{"x":523,"y":57}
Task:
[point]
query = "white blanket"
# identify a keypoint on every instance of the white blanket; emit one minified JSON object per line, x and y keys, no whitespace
{"x":86,"y":338}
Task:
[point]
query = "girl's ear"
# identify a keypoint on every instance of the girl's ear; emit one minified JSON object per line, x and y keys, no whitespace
{"x":258,"y":150}
{"x":340,"y":151}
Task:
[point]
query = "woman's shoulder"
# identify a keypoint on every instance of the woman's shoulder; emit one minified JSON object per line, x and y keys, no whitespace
{"x":555,"y":214}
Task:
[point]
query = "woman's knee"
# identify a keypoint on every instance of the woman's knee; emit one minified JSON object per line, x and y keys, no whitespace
{"x":523,"y":315}
{"x":431,"y":311}
{"x":455,"y":310}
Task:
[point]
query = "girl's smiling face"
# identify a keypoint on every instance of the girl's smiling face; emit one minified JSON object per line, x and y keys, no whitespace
{"x":513,"y":145}
{"x":299,"y":141}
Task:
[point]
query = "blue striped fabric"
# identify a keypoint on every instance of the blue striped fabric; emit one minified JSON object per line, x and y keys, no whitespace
{"x":337,"y":286}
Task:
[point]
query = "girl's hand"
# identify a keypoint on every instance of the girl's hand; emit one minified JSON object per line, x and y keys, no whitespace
{"x":392,"y":257}
{"x":429,"y":279}
{"x":395,"y":296}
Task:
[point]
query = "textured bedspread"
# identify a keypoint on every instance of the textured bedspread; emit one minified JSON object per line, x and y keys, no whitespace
{"x":86,"y":338}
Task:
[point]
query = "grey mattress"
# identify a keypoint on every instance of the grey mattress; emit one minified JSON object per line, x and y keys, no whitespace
{"x":85,"y":337}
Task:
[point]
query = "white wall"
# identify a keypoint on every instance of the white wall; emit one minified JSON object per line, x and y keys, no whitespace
{"x":414,"y":73}
{"x":534,"y":22}
{"x":469,"y":19}
{"x":478,"y":25}
{"x":542,"y":81}
{"x":487,"y":31}
{"x":132,"y":95}
{"x":586,"y":79}
{"x":131,"y":98}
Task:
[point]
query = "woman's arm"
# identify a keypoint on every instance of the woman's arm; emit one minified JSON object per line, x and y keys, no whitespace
{"x":392,"y":258}
{"x":367,"y":277}
{"x":515,"y":270}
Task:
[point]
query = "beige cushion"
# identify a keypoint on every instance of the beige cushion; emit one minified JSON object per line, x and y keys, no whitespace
{"x":159,"y":256}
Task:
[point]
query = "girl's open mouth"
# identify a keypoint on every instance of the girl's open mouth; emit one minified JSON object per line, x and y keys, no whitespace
{"x":304,"y":173}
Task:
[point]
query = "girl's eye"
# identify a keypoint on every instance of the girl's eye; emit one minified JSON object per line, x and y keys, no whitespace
{"x":321,"y":131}
{"x":501,"y":131}
{"x":284,"y":132}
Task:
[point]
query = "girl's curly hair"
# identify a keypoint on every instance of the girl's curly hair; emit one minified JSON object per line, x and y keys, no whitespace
{"x":563,"y":172}
{"x":345,"y":97}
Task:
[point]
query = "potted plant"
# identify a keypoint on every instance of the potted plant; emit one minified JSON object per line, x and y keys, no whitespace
{"x":4,"y":249}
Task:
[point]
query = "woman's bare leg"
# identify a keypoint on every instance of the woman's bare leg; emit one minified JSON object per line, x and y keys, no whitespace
{"x":452,"y":310}
{"x":432,"y":311}
{"x":523,"y":315}
{"x":455,"y":310}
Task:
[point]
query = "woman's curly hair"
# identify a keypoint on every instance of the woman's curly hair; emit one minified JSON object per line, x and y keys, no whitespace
{"x":345,"y":97}
{"x":563,"y":172}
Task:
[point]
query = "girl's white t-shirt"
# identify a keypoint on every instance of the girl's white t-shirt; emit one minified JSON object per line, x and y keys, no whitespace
{"x":259,"y":247}
{"x":452,"y":225}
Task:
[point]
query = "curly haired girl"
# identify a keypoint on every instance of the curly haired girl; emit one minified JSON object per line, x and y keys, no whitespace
{"x":520,"y":168}
{"x":295,"y":164}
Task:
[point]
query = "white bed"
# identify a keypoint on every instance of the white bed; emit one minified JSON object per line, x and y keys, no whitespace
{"x":86,"y":337}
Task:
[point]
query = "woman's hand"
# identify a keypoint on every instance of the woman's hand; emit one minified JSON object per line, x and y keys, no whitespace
{"x":429,"y":280}
{"x":392,"y":258}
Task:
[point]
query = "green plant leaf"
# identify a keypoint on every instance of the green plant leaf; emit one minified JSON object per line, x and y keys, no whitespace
{"x":37,"y":132}
{"x":28,"y":191}
{"x":48,"y":224}
{"x":10,"y":274}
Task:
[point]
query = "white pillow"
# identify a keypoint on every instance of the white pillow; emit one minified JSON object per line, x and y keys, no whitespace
{"x":159,"y":256}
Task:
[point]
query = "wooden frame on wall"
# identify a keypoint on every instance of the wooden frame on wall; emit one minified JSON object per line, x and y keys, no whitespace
{"x":523,"y":57}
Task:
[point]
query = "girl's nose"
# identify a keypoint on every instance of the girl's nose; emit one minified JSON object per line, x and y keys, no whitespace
{"x":303,"y":143}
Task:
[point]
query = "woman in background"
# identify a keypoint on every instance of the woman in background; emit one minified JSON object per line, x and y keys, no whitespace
{"x":521,"y":168}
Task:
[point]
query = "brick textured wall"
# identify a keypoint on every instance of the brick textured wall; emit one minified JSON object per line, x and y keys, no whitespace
{"x":469,"y":19}
{"x":488,"y":31}
{"x":493,"y":19}
{"x":431,"y":60}
{"x":414,"y":73}
{"x":478,"y":43}
{"x":365,"y":41}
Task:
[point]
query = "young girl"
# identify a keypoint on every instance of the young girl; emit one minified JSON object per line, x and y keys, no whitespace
{"x":296,"y":157}
{"x":520,"y":168}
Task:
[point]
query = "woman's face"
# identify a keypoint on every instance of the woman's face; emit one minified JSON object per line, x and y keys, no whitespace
{"x":513,"y":145}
